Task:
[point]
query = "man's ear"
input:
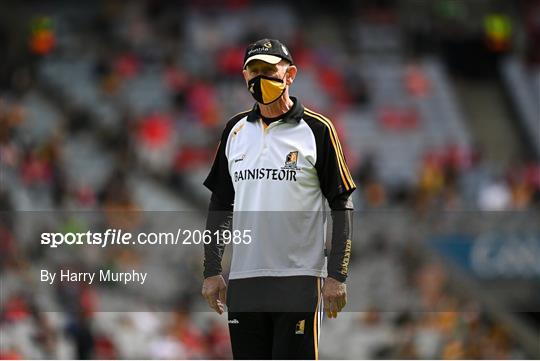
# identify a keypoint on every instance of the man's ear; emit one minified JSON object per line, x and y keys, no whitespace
{"x":293,"y":70}
{"x":245,"y":74}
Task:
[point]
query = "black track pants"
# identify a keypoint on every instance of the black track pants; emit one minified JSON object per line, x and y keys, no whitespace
{"x":275,"y":317}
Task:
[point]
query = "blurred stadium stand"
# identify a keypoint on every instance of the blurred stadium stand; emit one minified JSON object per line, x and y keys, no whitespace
{"x":108,"y":108}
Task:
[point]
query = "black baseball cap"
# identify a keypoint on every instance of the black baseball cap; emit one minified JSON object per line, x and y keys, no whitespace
{"x":268,"y":50}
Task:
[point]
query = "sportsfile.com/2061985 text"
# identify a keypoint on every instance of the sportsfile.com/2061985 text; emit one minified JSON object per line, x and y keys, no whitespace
{"x":120,"y":237}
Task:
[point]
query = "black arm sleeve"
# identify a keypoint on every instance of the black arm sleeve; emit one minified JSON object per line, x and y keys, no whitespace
{"x":336,"y":185}
{"x":340,"y":254}
{"x":219,"y":180}
{"x":219,"y":219}
{"x":220,"y":210}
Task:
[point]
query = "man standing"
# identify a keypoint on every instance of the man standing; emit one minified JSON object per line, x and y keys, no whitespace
{"x":275,"y":165}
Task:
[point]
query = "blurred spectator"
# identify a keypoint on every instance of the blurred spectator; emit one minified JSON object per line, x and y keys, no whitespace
{"x":495,"y":196}
{"x":416,"y":81}
{"x":121,"y":210}
{"x":217,"y":341}
{"x":79,"y":330}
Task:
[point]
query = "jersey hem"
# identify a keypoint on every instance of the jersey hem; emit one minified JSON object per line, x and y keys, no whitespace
{"x":277,"y":273}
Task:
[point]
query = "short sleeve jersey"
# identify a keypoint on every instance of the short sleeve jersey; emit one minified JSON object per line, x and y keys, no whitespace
{"x":278,"y":177}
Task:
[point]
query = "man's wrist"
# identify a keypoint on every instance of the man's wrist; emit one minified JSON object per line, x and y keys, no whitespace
{"x":338,"y":277}
{"x":211,"y":273}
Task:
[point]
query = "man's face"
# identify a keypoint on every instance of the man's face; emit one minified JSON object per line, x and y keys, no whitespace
{"x":258,"y":67}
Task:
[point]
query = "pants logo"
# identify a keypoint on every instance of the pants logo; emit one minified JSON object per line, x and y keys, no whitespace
{"x":300,"y":327}
{"x":239,"y":159}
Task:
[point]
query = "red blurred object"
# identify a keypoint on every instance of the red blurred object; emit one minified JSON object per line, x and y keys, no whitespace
{"x":127,"y":65}
{"x":193,"y":340}
{"x":10,"y":355}
{"x":16,"y":309}
{"x":88,"y":301}
{"x":86,"y":196}
{"x":303,"y":58}
{"x":456,"y":157}
{"x":189,"y":335}
{"x":35,"y":170}
{"x":434,"y":158}
{"x":7,"y":245}
{"x":397,"y":118}
{"x":332,"y":82}
{"x":191,"y":157}
{"x":230,"y":60}
{"x":416,"y":81}
{"x":175,"y":79}
{"x":105,"y":349}
{"x":42,"y":43}
{"x":42,"y":37}
{"x":202,"y":101}
{"x":218,"y":342}
{"x":237,"y":4}
{"x":156,"y":130}
{"x":532,"y":175}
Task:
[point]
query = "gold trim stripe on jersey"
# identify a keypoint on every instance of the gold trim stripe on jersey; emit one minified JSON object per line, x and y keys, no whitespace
{"x":333,"y":133}
{"x":343,"y":169}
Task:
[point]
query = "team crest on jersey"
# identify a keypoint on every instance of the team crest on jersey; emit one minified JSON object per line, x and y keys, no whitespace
{"x":290,"y":160}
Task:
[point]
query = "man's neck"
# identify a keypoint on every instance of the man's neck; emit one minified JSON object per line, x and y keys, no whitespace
{"x":277,"y":108}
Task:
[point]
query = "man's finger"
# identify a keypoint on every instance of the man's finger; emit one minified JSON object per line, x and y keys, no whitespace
{"x":213,"y":303}
{"x":223,"y":295}
{"x":327,"y":308}
{"x":326,"y":305}
{"x":221,"y":307}
{"x":334,"y":308}
{"x":341,"y":303}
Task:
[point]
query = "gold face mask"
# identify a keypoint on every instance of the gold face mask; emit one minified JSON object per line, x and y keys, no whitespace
{"x":266,"y":89}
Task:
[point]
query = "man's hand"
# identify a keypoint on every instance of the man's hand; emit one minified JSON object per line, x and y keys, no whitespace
{"x":334,"y":296}
{"x":214,"y":290}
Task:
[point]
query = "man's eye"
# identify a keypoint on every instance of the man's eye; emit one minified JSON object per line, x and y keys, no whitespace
{"x":267,"y":71}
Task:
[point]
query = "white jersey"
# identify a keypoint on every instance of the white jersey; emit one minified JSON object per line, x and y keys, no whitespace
{"x":278,"y":177}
